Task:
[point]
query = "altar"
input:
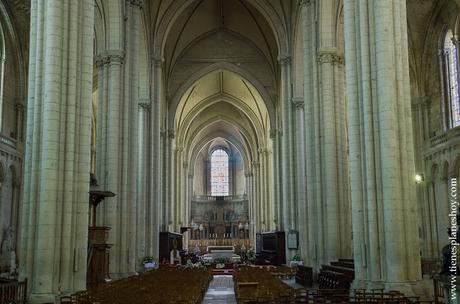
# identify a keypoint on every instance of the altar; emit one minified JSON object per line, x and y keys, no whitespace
{"x":218,"y":252}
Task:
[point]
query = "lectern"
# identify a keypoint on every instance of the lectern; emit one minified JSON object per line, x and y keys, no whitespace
{"x":98,"y":247}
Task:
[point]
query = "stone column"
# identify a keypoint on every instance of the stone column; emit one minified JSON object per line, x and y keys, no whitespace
{"x":328,"y":226}
{"x":301,"y":188}
{"x":311,"y":136}
{"x":257,"y":189}
{"x":19,"y":132}
{"x":170,"y":201}
{"x":117,"y":143}
{"x":268,"y":198}
{"x":385,"y":238}
{"x":276,"y":213}
{"x":288,"y":212}
{"x":156,"y":172}
{"x":419,"y":129}
{"x":143,"y":202}
{"x":254,"y":198}
{"x":54,"y":233}
{"x":328,"y":128}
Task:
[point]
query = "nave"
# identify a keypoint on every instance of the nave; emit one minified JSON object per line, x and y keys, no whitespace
{"x":322,"y":136}
{"x":246,"y":285}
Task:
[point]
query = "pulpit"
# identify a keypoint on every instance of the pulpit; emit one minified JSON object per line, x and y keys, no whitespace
{"x":98,"y":246}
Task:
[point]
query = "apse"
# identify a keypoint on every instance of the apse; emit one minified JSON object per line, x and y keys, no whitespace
{"x":222,"y":128}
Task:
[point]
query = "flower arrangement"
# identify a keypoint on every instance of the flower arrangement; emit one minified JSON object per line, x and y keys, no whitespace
{"x":148,"y":263}
{"x":250,"y":255}
{"x":296,"y":257}
{"x":147,"y":259}
{"x":222,"y":260}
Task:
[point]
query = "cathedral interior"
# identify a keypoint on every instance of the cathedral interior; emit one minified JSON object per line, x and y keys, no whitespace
{"x":321,"y":137}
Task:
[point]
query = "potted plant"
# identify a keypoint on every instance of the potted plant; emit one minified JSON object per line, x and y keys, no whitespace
{"x":149,"y":263}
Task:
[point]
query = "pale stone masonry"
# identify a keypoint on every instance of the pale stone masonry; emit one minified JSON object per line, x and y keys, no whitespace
{"x":327,"y":215}
{"x":386,"y":247}
{"x":318,"y":113}
{"x":118,"y":143}
{"x":54,"y":222}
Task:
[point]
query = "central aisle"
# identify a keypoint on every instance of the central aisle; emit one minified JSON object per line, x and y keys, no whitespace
{"x":220,"y":291}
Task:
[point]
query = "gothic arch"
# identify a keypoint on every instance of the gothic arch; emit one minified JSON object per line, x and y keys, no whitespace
{"x":175,"y":100}
{"x":177,"y":7}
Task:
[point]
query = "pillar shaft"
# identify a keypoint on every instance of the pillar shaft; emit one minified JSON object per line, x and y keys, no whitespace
{"x":118,"y":143}
{"x":54,"y":232}
{"x":381,"y":147}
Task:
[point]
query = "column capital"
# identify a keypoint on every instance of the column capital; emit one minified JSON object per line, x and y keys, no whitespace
{"x":171,"y":134}
{"x":256,"y":164}
{"x":298,"y":102}
{"x":157,"y":61}
{"x":419,"y":101}
{"x":185,"y":164}
{"x":248,"y":174}
{"x":330,"y":56}
{"x":19,"y":107}
{"x":144,"y":106}
{"x":135,"y":3}
{"x":110,"y":57}
{"x":305,"y":3}
{"x":284,"y":59}
{"x":273,"y":133}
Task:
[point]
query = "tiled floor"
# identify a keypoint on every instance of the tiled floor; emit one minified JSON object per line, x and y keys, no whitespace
{"x":220,"y":291}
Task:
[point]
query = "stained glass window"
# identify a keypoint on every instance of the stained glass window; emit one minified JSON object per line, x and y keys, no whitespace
{"x":450,"y":48}
{"x":219,"y":173}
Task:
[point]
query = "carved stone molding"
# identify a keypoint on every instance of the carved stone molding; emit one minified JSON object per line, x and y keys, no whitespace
{"x":298,"y":103}
{"x":110,"y":57}
{"x":171,"y":134}
{"x":305,"y":2}
{"x":273,"y":133}
{"x":157,"y":62}
{"x":135,"y":3}
{"x":144,"y":106}
{"x":19,"y":107}
{"x":285,"y":60}
{"x":330,"y":57}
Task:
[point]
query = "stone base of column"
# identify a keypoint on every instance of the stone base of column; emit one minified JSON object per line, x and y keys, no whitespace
{"x":367,"y":285}
{"x":40,"y":298}
{"x":422,"y":289}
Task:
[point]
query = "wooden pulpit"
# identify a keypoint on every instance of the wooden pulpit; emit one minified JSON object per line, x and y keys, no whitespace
{"x":98,"y":246}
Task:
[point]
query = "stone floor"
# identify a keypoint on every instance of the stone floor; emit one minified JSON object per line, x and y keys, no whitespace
{"x":220,"y":291}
